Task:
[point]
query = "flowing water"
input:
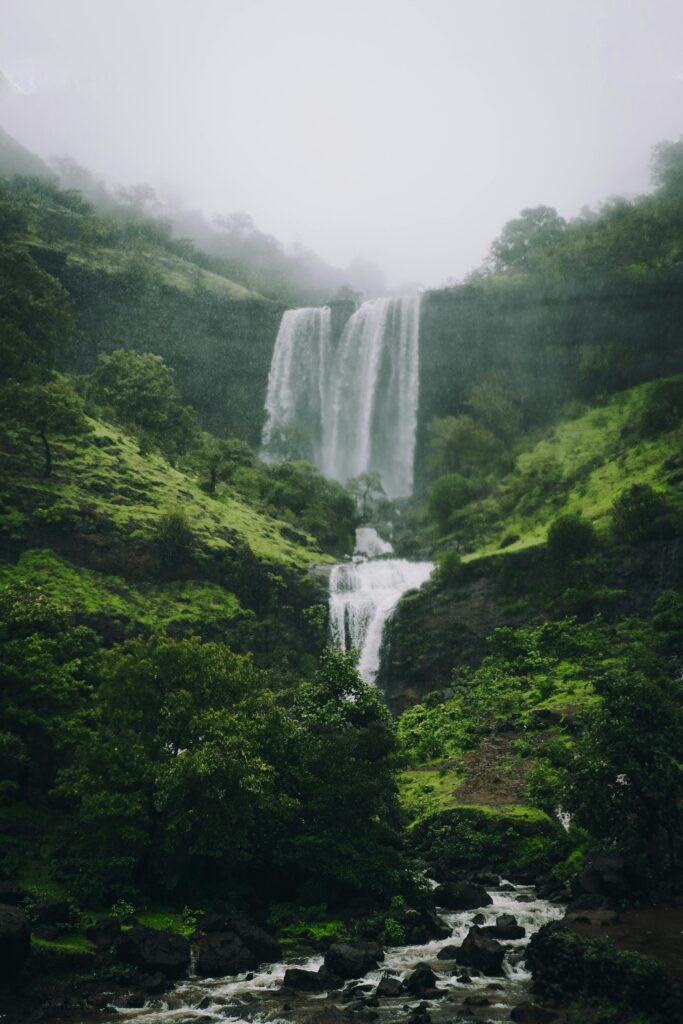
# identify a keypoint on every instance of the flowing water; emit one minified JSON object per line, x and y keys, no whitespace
{"x":352,"y":408}
{"x":259,"y":997}
{"x":364,"y":593}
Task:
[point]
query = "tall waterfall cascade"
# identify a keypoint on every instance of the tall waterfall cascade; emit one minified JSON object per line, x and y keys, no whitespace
{"x":363,"y":595}
{"x":352,"y":406}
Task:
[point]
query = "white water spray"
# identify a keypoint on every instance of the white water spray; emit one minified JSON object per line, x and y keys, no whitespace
{"x":363,"y":594}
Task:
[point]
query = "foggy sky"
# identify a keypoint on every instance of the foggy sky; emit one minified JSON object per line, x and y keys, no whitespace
{"x":402,"y":131}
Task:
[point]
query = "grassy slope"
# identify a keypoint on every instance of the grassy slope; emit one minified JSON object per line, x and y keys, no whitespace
{"x":117,"y":484}
{"x":579,"y":466}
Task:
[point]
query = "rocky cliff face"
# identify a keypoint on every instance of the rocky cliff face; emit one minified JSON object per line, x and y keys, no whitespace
{"x":445,"y":625}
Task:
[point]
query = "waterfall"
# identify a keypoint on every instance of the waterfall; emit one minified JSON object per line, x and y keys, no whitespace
{"x":355,"y":408}
{"x":298,"y":381}
{"x":363,"y":594}
{"x":372,"y":407}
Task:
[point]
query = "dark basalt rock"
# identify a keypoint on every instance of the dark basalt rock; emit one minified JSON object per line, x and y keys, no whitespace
{"x":447,"y":953}
{"x":220,"y":953}
{"x":388,"y":987}
{"x":482,"y":952}
{"x":300,"y":980}
{"x":261,"y":944}
{"x":104,"y":932}
{"x":153,"y":950}
{"x":353,"y":960}
{"x":462,"y":896}
{"x":15,"y":941}
{"x":421,"y":925}
{"x":506,"y":927}
{"x":422,"y":979}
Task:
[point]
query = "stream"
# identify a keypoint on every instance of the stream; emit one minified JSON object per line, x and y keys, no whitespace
{"x":257,"y":998}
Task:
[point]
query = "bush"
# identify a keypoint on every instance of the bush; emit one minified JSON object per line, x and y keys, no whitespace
{"x":663,"y":409}
{"x":638,"y":514}
{"x":174,"y":536}
{"x":449,"y":567}
{"x":447,"y":495}
{"x":570,"y":538}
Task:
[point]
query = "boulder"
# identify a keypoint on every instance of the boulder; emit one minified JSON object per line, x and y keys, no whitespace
{"x":421,"y":925}
{"x":353,"y":959}
{"x":15,"y":941}
{"x":447,"y":953}
{"x":51,"y":911}
{"x":505,"y":928}
{"x":462,"y":896}
{"x":104,"y":932}
{"x":300,"y":980}
{"x":422,"y":980}
{"x":221,"y":953}
{"x":263,"y":945}
{"x":153,"y":950}
{"x":588,"y":901}
{"x":606,"y":876}
{"x":482,"y":952}
{"x":388,"y":987}
{"x":153,"y":983}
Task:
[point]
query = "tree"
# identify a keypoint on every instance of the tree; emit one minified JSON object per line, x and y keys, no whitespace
{"x":460,"y":445}
{"x":139,"y":391}
{"x":446,"y":495}
{"x":47,"y":410}
{"x":625,"y":780}
{"x":35,"y":316}
{"x":345,"y":785}
{"x":492,"y":406}
{"x":527,"y":239}
{"x":638,"y":514}
{"x":368,"y":494}
{"x":570,"y":538}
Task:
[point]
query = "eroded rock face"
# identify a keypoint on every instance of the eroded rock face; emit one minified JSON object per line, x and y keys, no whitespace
{"x":481,"y":952}
{"x":353,"y":960}
{"x":221,"y":953}
{"x":153,"y":950}
{"x":15,"y":941}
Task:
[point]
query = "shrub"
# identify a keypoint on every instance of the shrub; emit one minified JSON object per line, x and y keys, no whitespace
{"x":638,"y":514}
{"x":663,"y":409}
{"x":570,"y":538}
{"x":174,"y":536}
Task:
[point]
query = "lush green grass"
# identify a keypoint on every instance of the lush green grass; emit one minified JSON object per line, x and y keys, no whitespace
{"x":580,"y":466}
{"x":92,"y":595}
{"x":104,"y":480}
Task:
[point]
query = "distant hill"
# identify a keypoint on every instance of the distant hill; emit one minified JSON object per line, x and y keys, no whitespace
{"x":16,"y":159}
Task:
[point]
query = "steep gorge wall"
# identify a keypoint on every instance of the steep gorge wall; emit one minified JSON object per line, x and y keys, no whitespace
{"x":219,"y":348}
{"x":546,"y":343}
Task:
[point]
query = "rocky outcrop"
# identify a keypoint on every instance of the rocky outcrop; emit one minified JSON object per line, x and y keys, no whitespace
{"x":154,"y":950}
{"x":481,"y":952}
{"x":104,"y":932}
{"x":353,"y":960}
{"x":461,"y":896}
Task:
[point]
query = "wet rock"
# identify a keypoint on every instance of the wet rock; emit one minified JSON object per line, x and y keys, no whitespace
{"x":154,"y":950}
{"x":482,"y":952}
{"x":47,"y":932}
{"x":353,"y":959}
{"x":388,"y":987}
{"x":421,"y":925}
{"x":462,"y":896}
{"x":104,"y":932}
{"x":476,"y":1001}
{"x":421,"y":979}
{"x":606,"y":876}
{"x":155,"y":983}
{"x":51,"y":911}
{"x":478,"y":919}
{"x":300,"y":980}
{"x":15,"y":941}
{"x":505,"y":928}
{"x":133,"y":1001}
{"x":264,"y":947}
{"x":220,"y":953}
{"x":529,"y":1013}
{"x":420,"y":1015}
{"x":447,"y":953}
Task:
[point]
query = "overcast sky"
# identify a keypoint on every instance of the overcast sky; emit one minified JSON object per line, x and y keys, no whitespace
{"x":402,"y":131}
